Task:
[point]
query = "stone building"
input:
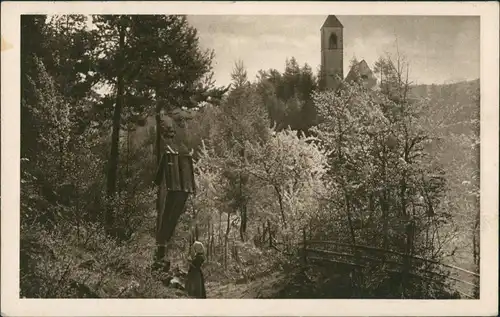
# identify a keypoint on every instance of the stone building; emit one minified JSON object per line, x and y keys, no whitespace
{"x":361,"y":71}
{"x":332,"y":58}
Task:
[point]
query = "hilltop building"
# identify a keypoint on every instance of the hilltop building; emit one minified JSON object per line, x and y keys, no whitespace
{"x":332,"y":58}
{"x":362,"y":71}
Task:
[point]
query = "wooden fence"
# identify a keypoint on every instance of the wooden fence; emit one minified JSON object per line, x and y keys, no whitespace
{"x":352,"y":257}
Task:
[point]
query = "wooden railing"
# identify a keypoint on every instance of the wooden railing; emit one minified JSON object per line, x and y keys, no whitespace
{"x":352,"y":256}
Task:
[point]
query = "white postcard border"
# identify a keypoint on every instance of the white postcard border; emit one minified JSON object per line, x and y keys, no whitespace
{"x":11,"y":305}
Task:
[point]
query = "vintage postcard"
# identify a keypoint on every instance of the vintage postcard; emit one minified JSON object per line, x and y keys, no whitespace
{"x":249,"y":159}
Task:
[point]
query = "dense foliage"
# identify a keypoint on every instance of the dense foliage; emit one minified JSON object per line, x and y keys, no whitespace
{"x":276,"y":161}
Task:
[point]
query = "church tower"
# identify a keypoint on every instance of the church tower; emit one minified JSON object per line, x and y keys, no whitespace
{"x":332,"y":61}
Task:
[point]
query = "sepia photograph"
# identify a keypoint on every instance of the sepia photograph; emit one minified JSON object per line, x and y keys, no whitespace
{"x":231,"y":155}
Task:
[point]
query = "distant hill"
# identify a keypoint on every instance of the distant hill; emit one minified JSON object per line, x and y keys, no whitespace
{"x":456,"y":102}
{"x":445,"y":90}
{"x":456,"y":105}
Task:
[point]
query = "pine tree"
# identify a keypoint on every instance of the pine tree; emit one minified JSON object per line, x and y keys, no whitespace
{"x":288,"y":96}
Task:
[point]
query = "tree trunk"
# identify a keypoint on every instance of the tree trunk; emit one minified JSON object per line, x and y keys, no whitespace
{"x":209,"y":233}
{"x":384,"y":203}
{"x":77,"y":213}
{"x":409,"y":232}
{"x":220,"y":233}
{"x":403,"y":183}
{"x":115,"y":138}
{"x":280,"y":201}
{"x":243,"y":202}
{"x":349,"y":219}
{"x":263,"y":239}
{"x":161,"y":249}
{"x":475,"y":251}
{"x":226,"y":239}
{"x":127,"y":176}
{"x":270,"y":233}
{"x":357,"y":275}
{"x":242,"y":208}
{"x":158,"y":131}
{"x":243,"y":225}
{"x":212,"y":242}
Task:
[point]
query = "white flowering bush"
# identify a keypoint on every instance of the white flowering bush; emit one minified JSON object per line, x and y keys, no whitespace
{"x":290,"y":172}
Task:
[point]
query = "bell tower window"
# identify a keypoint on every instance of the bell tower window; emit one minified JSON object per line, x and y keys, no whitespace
{"x":332,"y":43}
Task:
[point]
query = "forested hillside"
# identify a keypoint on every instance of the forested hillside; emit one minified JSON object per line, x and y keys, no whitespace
{"x":276,"y":161}
{"x":456,"y":108}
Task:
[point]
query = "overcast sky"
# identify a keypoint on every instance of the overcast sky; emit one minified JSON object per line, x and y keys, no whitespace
{"x":440,"y":48}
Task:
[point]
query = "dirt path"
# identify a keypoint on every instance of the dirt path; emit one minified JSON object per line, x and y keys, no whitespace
{"x":227,"y":291}
{"x":264,"y":287}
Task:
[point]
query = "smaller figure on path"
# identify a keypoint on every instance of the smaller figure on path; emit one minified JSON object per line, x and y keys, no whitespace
{"x":195,"y":282}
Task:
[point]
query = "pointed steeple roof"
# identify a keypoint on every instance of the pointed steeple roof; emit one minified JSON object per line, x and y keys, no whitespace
{"x":332,"y":21}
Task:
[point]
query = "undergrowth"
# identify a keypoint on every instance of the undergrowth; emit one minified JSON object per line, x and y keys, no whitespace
{"x":85,"y":263}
